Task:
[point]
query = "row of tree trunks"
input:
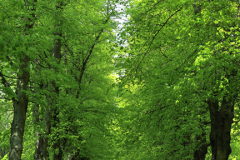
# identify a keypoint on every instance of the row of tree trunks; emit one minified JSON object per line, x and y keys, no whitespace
{"x":51,"y":112}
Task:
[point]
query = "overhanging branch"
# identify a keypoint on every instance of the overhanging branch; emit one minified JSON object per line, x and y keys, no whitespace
{"x":157,"y":34}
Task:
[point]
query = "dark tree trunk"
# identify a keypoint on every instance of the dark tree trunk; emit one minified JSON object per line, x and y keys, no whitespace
{"x":221,"y":121}
{"x":20,"y":108}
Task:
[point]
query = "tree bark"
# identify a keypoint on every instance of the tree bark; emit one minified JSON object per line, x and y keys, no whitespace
{"x":221,"y":121}
{"x":20,"y":108}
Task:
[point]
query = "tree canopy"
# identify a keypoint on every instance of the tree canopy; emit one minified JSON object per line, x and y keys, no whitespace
{"x":75,"y":83}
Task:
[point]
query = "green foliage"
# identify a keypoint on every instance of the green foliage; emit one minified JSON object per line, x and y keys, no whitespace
{"x":169,"y":59}
{"x":181,"y":57}
{"x":82,"y":74}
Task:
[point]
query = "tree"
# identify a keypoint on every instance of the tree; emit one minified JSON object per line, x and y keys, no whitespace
{"x":178,"y":84}
{"x":19,"y":98}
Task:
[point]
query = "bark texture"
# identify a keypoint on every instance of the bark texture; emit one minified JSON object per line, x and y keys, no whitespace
{"x":20,"y":108}
{"x":221,"y":121}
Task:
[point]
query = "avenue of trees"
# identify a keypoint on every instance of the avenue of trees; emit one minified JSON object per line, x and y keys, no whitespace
{"x":75,"y":86}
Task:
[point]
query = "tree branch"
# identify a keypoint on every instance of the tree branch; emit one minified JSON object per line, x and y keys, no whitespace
{"x":157,"y":34}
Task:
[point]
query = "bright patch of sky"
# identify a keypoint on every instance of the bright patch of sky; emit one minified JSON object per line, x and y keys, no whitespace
{"x":121,"y":19}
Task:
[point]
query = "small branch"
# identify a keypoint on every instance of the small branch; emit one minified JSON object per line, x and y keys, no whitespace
{"x":157,"y":34}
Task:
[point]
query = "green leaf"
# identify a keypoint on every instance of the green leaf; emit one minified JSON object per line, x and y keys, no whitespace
{"x":9,"y":92}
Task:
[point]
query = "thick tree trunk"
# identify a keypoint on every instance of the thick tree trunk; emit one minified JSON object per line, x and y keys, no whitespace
{"x":20,"y":105}
{"x":20,"y":108}
{"x":221,"y":121}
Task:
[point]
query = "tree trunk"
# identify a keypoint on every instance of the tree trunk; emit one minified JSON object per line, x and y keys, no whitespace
{"x":20,"y":108}
{"x":41,"y":144}
{"x":55,"y":110}
{"x":221,"y":121}
{"x":21,"y":103}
